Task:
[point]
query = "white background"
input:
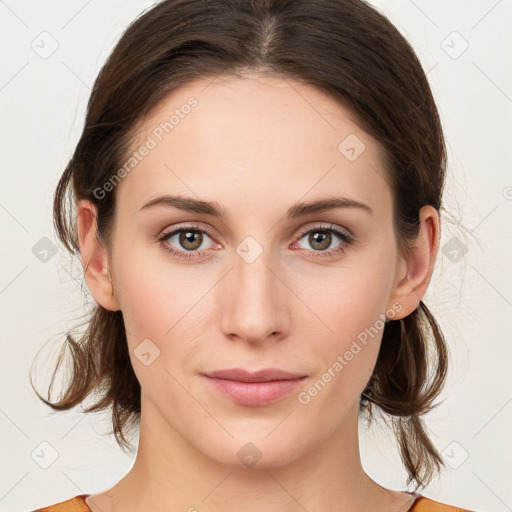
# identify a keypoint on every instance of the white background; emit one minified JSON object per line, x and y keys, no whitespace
{"x":43,"y":103}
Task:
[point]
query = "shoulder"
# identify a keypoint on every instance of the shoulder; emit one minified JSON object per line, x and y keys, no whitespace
{"x":76,"y":504}
{"x":424,"y":504}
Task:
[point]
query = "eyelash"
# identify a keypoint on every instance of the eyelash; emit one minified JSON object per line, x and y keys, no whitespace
{"x":346,"y":240}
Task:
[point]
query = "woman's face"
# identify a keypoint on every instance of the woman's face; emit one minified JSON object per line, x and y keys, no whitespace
{"x":265,"y":285}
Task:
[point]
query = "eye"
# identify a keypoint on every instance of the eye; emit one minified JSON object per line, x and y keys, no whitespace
{"x":191,"y":241}
{"x":321,"y":238}
{"x":185,"y":242}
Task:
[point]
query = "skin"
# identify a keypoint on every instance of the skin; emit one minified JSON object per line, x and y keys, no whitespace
{"x":255,"y":145}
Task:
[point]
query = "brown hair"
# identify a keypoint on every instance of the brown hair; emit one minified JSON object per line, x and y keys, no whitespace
{"x":348,"y":50}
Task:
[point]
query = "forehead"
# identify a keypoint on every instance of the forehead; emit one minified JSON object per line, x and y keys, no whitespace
{"x":267,"y":137}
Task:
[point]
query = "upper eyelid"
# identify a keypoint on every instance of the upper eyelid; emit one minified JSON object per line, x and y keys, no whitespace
{"x":177,"y":229}
{"x":326,"y":226}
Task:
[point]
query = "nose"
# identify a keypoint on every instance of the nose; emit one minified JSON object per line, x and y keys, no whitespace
{"x":253,"y":303}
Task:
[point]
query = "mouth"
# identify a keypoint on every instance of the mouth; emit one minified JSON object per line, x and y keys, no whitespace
{"x":260,"y":388}
{"x":265,"y":375}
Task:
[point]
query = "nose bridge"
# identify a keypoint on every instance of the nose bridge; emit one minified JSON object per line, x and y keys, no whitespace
{"x":253,"y":308}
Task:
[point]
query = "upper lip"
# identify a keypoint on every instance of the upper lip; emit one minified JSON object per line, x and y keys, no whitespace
{"x":265,"y":375}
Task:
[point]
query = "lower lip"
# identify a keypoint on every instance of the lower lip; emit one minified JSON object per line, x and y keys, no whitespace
{"x":255,"y":393}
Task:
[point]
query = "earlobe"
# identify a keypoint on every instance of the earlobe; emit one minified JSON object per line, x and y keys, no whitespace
{"x":416,"y":269}
{"x":94,"y":257}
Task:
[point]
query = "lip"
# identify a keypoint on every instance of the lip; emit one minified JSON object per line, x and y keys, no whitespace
{"x":262,"y":387}
{"x":265,"y":375}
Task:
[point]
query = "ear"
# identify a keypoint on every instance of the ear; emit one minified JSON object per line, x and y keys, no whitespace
{"x":415,"y":269}
{"x":94,"y":257}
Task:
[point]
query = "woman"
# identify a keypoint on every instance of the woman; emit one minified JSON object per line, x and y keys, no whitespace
{"x":257,"y":188}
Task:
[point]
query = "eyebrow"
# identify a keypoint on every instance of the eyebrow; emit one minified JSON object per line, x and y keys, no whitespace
{"x":212,"y":208}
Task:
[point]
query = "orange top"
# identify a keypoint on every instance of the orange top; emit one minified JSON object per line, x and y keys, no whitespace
{"x":421,"y":504}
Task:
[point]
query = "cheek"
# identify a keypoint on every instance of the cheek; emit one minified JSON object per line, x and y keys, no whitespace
{"x":161,"y":325}
{"x":153,"y":294}
{"x":348,"y":357}
{"x":163,"y":303}
{"x":146,"y":312}
{"x":351,"y":305}
{"x":349,"y":299}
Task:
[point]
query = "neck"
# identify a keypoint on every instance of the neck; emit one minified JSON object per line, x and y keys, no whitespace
{"x":170,"y":474}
